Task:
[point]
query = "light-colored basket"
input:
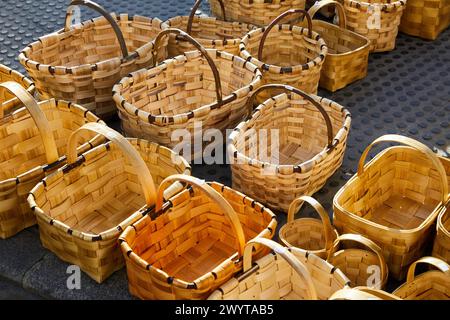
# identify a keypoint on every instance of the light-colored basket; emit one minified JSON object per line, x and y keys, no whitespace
{"x":426,"y":19}
{"x":441,"y":248}
{"x":312,"y":235}
{"x":188,"y":248}
{"x":81,"y":63}
{"x":394,"y":200}
{"x":431,"y":285}
{"x":286,"y":54}
{"x":211,"y":33}
{"x":207,"y":87}
{"x":33,"y":143}
{"x":363,"y":293}
{"x":84,"y":206}
{"x":308,"y":145}
{"x":285,"y":274}
{"x":8,"y":101}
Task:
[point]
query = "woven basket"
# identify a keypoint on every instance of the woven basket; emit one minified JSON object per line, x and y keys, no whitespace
{"x":81,"y":63}
{"x":83,"y":207}
{"x":362,"y":293}
{"x":382,"y":32}
{"x":207,"y":87}
{"x":441,"y":247}
{"x":189,"y":249}
{"x":32,"y":139}
{"x":313,"y":235}
{"x":394,"y":200}
{"x":426,"y":19}
{"x":211,"y":33}
{"x":286,"y":274}
{"x":348,"y":52}
{"x":431,"y":285}
{"x":310,"y":139}
{"x":288,"y":55}
{"x":362,"y":267}
{"x":8,"y":101}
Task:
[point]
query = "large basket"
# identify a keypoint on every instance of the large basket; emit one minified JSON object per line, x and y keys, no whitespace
{"x":286,"y":54}
{"x":206,"y":88}
{"x":189,"y":248}
{"x":441,"y":248}
{"x":84,"y":206}
{"x":33,"y":143}
{"x":363,"y":293}
{"x":8,"y":101}
{"x":426,"y":19}
{"x":286,"y":274}
{"x":310,"y":136}
{"x":394,"y":200}
{"x":211,"y":33}
{"x":81,"y":63}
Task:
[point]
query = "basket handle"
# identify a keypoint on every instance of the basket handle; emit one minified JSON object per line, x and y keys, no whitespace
{"x":278,"y":19}
{"x":324,"y":3}
{"x":202,"y":50}
{"x":435,"y":262}
{"x":362,"y":293}
{"x":298,"y":266}
{"x":195,"y":8}
{"x":413,"y":144}
{"x":212,"y":194}
{"x":51,"y":151}
{"x":133,"y":156}
{"x":328,"y":229}
{"x":304,"y":95}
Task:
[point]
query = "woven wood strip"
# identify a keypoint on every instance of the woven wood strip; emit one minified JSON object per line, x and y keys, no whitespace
{"x":8,"y":101}
{"x":441,"y":247}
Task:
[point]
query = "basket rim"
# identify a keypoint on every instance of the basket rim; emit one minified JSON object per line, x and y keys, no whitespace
{"x":440,"y":223}
{"x":403,"y":288}
{"x":385,"y":6}
{"x":26,"y":82}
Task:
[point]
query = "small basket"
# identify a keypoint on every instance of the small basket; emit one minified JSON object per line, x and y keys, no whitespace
{"x":286,"y":274}
{"x":362,"y":293}
{"x":32,"y":138}
{"x":84,"y":206}
{"x":8,"y":101}
{"x":189,"y":248}
{"x":211,"y":33}
{"x":206,"y":87}
{"x":81,"y":63}
{"x":362,"y":267}
{"x":312,"y":235}
{"x":288,"y":55}
{"x":312,"y":136}
{"x":394,"y":200}
{"x":431,"y":285}
{"x":441,"y":248}
{"x":425,"y":19}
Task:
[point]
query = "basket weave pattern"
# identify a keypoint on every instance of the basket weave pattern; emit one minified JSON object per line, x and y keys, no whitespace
{"x":8,"y":101}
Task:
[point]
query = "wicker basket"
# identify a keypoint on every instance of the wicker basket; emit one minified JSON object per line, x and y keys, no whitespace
{"x":382,"y":32}
{"x":426,"y":19}
{"x":286,"y":274}
{"x":8,"y":101}
{"x":363,"y":293}
{"x":83,"y":207}
{"x":81,"y":63}
{"x":288,"y":55}
{"x":431,"y":285}
{"x":31,"y":148}
{"x":313,"y":235}
{"x":348,"y":52}
{"x":441,"y":247}
{"x":189,"y":249}
{"x":312,"y":135}
{"x":362,"y":267}
{"x":394,"y":200}
{"x":207,"y":87}
{"x":211,"y":33}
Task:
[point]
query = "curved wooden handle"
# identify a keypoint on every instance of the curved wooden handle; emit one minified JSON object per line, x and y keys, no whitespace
{"x":278,"y":19}
{"x":212,"y":194}
{"x":413,"y":144}
{"x":324,"y":3}
{"x":133,"y":156}
{"x":51,"y":151}
{"x":362,"y":293}
{"x":195,"y":8}
{"x":299,"y":267}
{"x":205,"y":54}
{"x":435,"y":262}
{"x":327,"y":227}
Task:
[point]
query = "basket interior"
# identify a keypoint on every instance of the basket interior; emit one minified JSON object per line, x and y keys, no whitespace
{"x":432,"y":285}
{"x":306,"y":233}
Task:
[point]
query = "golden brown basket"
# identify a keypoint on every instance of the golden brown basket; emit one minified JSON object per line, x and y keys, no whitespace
{"x":8,"y":101}
{"x":431,"y":285}
{"x":286,"y":274}
{"x":441,"y":248}
{"x":33,"y":143}
{"x":288,"y":55}
{"x":310,"y":136}
{"x":84,"y":206}
{"x":426,"y":19}
{"x":211,"y":33}
{"x":394,"y":200}
{"x":81,"y":63}
{"x":206,"y":87}
{"x":313,"y":235}
{"x":362,"y":293}
{"x":189,"y":248}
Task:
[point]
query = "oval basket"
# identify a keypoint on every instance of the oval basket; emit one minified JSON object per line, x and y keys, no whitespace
{"x":441,"y":248}
{"x":8,"y":101}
